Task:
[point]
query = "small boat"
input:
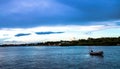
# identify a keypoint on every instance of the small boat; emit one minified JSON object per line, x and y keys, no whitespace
{"x":97,"y":53}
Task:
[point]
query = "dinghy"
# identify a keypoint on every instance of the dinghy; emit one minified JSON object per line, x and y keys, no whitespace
{"x":97,"y":53}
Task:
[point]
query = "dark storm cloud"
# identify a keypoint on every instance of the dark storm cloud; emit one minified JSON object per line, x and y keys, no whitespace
{"x":30,"y":13}
{"x":22,"y":34}
{"x":44,"y":33}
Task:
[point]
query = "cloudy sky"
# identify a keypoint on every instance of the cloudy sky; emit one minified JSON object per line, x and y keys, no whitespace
{"x":51,"y":20}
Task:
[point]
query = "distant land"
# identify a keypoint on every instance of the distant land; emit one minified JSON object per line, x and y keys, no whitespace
{"x":104,"y":41}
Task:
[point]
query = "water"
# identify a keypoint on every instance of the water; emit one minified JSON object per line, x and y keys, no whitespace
{"x":55,"y":57}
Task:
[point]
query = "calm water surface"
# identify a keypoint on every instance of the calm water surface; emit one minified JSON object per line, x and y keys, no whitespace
{"x":74,"y":57}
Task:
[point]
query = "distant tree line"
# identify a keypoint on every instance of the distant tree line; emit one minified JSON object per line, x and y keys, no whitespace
{"x":108,"y":41}
{"x":105,"y":41}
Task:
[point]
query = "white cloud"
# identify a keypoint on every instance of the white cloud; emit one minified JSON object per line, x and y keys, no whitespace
{"x":67,"y":28}
{"x":112,"y":23}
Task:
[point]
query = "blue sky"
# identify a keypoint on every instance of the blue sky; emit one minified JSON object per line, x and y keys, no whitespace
{"x":58,"y":19}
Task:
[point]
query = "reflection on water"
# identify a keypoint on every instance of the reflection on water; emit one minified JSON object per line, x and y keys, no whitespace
{"x":58,"y":58}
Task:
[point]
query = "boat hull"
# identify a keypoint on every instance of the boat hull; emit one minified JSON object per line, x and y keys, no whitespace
{"x":96,"y":53}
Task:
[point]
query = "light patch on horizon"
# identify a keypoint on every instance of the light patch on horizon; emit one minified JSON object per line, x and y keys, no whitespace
{"x":110,"y":32}
{"x":70,"y":32}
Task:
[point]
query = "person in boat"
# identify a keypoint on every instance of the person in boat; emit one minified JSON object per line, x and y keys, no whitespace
{"x":91,"y":50}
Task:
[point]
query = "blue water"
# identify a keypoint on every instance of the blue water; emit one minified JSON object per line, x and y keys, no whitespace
{"x":55,"y":57}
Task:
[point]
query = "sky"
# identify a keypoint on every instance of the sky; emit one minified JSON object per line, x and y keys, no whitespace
{"x":26,"y":21}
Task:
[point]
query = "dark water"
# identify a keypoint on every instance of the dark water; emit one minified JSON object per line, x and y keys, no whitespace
{"x":58,"y":58}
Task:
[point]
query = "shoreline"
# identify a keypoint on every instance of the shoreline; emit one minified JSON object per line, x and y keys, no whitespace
{"x":108,"y":41}
{"x":59,"y":46}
